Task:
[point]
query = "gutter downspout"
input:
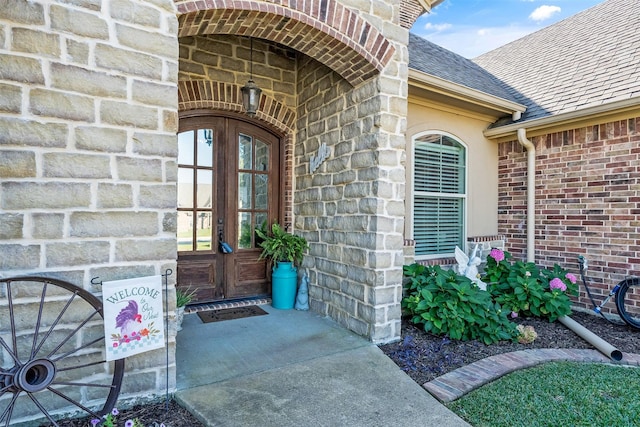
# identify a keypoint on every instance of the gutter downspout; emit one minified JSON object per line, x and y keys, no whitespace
{"x":603,"y":346}
{"x":531,"y":192}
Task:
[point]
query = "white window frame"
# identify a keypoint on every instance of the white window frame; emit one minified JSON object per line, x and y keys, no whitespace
{"x":412,"y":192}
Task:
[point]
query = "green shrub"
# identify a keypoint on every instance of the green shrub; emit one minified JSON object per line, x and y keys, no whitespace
{"x":280,"y":246}
{"x":527,"y":290}
{"x":447,"y":303}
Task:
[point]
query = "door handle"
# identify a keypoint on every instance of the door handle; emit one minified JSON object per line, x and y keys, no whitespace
{"x":224,"y":247}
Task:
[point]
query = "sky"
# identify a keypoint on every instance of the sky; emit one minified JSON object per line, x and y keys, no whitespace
{"x":473,"y":27}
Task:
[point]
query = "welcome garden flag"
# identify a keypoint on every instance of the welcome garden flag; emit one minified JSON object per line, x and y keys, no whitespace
{"x":132,"y":316}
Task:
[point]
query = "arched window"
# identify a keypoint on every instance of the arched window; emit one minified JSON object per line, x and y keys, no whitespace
{"x":439,"y":195}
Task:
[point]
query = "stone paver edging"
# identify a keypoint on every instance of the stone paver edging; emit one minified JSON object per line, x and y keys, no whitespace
{"x":455,"y":384}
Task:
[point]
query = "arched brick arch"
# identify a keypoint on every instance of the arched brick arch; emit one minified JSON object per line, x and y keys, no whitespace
{"x":197,"y":94}
{"x":324,"y":30}
{"x":194,"y":94}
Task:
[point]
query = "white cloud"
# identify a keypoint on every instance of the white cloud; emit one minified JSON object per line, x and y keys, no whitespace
{"x":436,"y":27}
{"x":544,"y":12}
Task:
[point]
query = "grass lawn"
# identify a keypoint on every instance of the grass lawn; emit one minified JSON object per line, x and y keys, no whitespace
{"x":556,"y":394}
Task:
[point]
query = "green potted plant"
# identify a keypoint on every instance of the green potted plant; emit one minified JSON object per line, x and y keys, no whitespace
{"x":183,"y":297}
{"x":284,"y":250}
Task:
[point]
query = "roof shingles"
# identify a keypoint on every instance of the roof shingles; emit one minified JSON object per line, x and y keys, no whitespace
{"x":589,"y":59}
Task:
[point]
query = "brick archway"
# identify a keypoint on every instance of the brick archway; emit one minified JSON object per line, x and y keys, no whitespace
{"x":195,"y":94}
{"x":327,"y":31}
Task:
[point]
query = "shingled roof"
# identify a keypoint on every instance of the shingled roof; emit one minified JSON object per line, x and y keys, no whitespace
{"x":589,"y":59}
{"x":437,"y":61}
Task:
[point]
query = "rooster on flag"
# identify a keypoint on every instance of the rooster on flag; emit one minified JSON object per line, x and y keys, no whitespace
{"x":128,"y":320}
{"x":131,"y":310}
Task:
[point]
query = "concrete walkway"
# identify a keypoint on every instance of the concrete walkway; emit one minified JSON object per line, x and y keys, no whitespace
{"x":292,"y":368}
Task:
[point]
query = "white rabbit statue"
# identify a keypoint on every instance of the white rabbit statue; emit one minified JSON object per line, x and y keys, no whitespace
{"x":468,"y":266}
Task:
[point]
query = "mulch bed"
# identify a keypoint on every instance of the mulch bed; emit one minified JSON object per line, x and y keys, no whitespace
{"x":172,"y":416}
{"x":424,"y":356}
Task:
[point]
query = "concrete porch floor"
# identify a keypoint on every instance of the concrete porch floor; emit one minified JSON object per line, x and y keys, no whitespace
{"x":294,"y":368}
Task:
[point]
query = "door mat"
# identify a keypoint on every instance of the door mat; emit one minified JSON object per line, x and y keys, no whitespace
{"x":230,"y":313}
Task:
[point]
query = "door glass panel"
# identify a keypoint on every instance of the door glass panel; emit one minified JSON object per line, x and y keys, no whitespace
{"x":262,"y":191}
{"x":245,"y":151}
{"x":244,"y":230}
{"x":244,"y":190}
{"x":185,"y":148}
{"x":185,"y":188}
{"x":185,"y":231}
{"x":261,"y":221}
{"x":262,"y":156}
{"x":205,"y":188}
{"x":253,"y":188}
{"x":196,"y":203}
{"x":205,"y":147}
{"x":203,"y":232}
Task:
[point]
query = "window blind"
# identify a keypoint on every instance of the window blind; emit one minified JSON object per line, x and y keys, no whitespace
{"x":439,"y":195}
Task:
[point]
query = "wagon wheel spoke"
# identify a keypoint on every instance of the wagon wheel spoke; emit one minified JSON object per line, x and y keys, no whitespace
{"x":6,"y":414}
{"x":68,"y":337}
{"x":54,"y":324}
{"x":53,"y":355}
{"x":75,"y":402}
{"x":75,"y":350}
{"x":85,"y":365}
{"x":36,"y":332}
{"x":9,"y":351}
{"x":42,"y":409}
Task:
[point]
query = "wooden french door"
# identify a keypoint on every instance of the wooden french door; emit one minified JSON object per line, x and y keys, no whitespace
{"x":228,"y":184}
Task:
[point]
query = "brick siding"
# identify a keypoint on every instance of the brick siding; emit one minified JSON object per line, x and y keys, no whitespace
{"x":587,"y":195}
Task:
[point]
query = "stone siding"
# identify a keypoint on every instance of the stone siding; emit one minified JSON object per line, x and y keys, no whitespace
{"x":226,"y":59}
{"x":88,"y":117}
{"x":587,"y":195}
{"x":351,"y":208}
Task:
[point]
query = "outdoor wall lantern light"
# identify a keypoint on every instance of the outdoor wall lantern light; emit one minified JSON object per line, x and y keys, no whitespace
{"x":250,"y":91}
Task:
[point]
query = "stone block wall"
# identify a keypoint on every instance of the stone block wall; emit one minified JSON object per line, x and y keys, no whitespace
{"x":227,"y":59}
{"x":587,"y":195}
{"x":88,"y":120}
{"x":351,"y":208}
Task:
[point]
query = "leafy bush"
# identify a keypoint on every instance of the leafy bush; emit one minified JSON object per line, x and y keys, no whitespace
{"x":525,"y":289}
{"x":447,"y":303}
{"x":280,"y":246}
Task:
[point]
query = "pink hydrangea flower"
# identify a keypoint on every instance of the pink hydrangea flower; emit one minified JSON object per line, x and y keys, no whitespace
{"x":571,"y":278}
{"x":557,"y":284}
{"x":496,"y":254}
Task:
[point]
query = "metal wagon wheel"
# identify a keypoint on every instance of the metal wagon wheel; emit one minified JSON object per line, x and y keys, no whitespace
{"x":52,"y":355}
{"x":628,"y":301}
